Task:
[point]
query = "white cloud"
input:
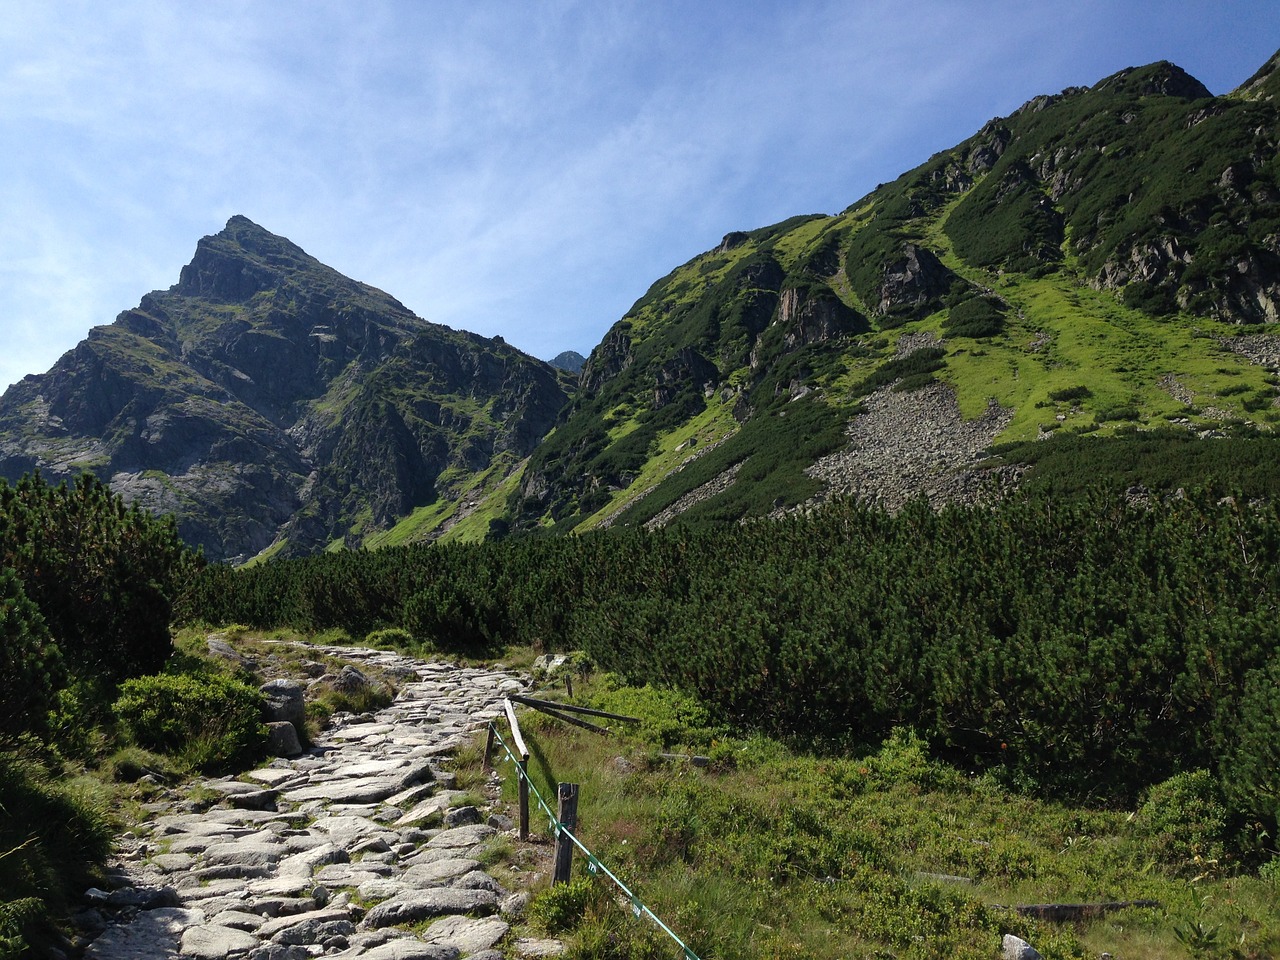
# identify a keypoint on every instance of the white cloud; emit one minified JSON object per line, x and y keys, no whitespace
{"x":517,"y":168}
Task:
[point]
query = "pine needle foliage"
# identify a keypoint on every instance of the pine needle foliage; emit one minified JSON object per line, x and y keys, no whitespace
{"x":1042,"y":640}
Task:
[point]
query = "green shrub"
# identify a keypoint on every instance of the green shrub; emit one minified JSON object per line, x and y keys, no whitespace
{"x":1156,"y":299}
{"x":926,"y":360}
{"x":1185,"y":820}
{"x":1270,"y":872}
{"x":666,"y":716}
{"x":976,"y":317}
{"x":1251,"y":772}
{"x":917,"y":381}
{"x":20,"y":923}
{"x":211,"y":722}
{"x":904,"y":759}
{"x":30,"y":662}
{"x":79,"y":715}
{"x":453,"y":616}
{"x":131,"y":764}
{"x":1070,"y":394}
{"x":102,"y":575}
{"x":611,"y":933}
{"x":560,"y":908}
{"x":392,"y":638}
{"x":1119,"y":412}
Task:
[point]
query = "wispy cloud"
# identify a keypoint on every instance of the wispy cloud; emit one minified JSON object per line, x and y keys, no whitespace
{"x":509,"y":167}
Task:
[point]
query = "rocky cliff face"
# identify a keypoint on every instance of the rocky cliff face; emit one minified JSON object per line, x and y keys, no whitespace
{"x":268,"y":400}
{"x":1071,"y":243}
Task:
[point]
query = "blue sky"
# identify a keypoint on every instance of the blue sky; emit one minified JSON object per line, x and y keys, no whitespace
{"x":516,"y":168}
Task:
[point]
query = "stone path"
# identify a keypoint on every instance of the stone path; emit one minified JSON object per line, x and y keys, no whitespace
{"x":331,"y":853}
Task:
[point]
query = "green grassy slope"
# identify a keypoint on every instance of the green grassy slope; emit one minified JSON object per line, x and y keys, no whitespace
{"x":1086,"y":262}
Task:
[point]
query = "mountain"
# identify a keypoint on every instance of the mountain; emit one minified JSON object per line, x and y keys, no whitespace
{"x":570,"y":360}
{"x":1104,"y":262}
{"x":1085,"y":289}
{"x":277,"y":406}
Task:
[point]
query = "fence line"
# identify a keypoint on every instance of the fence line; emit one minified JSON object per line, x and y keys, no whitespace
{"x":558,"y":829}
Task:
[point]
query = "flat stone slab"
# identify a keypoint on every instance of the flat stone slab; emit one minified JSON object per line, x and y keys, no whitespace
{"x":353,"y":874}
{"x":424,"y":904}
{"x":281,"y":887}
{"x":211,"y":942}
{"x":273,"y":776}
{"x":347,"y":791}
{"x":347,"y":827}
{"x":360,"y":731}
{"x":238,"y":919}
{"x":273,"y":927}
{"x":405,"y":949}
{"x":192,"y":889}
{"x":429,"y":808}
{"x":155,"y":934}
{"x":468,"y":934}
{"x":306,"y":863}
{"x":382,"y":888}
{"x":229,"y":787}
{"x":372,"y":768}
{"x":410,"y":794}
{"x":172,"y":862}
{"x":252,"y":853}
{"x":538,"y":948}
{"x":467,"y":836}
{"x":439,"y":871}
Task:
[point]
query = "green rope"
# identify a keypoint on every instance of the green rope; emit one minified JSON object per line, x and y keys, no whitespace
{"x":594,"y":866}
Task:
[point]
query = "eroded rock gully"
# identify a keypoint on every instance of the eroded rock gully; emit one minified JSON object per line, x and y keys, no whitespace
{"x":348,"y":850}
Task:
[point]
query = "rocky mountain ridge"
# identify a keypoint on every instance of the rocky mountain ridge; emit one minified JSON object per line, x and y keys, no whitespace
{"x":1060,"y":266}
{"x":276,"y":405}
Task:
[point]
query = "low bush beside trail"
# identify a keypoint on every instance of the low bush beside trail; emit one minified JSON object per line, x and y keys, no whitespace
{"x":212,"y":722}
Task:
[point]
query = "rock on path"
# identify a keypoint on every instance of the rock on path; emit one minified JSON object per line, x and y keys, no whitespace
{"x":325,"y":854}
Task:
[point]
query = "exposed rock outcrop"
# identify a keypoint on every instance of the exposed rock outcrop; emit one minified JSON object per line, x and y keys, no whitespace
{"x":609,"y":359}
{"x":688,"y":368}
{"x":911,"y":282}
{"x":808,"y":315}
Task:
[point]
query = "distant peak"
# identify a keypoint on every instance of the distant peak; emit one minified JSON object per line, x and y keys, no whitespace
{"x":570,"y":360}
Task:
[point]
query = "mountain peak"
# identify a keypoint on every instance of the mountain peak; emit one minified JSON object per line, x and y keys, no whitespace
{"x":569,"y":360}
{"x":270,"y":401}
{"x":240,"y":261}
{"x":1155,"y":79}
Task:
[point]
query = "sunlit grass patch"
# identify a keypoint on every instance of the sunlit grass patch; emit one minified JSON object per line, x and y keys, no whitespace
{"x":769,"y":852}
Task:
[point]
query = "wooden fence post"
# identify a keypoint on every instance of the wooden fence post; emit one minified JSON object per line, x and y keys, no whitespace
{"x":524,"y":766}
{"x":567,"y":814}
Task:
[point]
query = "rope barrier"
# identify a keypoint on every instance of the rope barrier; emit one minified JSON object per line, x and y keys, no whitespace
{"x":594,"y":866}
